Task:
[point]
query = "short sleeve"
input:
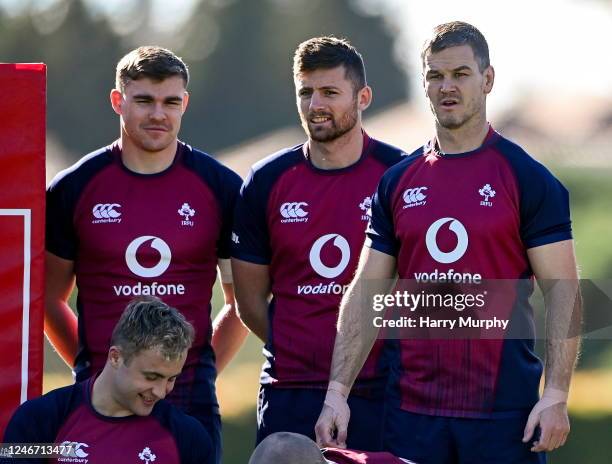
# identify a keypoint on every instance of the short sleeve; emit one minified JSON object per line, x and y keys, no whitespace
{"x":380,"y":233}
{"x":545,"y":212}
{"x":251,"y":238}
{"x":231,"y":187}
{"x":543,"y":200}
{"x":60,"y":238}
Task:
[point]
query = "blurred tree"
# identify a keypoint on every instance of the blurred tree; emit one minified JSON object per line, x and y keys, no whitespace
{"x":241,"y":52}
{"x":81,"y":52}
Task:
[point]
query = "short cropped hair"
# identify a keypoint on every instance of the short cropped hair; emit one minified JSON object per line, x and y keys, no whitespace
{"x":330,"y":52}
{"x":455,"y":34}
{"x":150,"y":323}
{"x":287,"y":448}
{"x":156,"y":63}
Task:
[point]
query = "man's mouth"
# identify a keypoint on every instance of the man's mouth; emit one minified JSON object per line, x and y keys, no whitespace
{"x":147,"y":400}
{"x":449,"y":102}
{"x":320,"y":119}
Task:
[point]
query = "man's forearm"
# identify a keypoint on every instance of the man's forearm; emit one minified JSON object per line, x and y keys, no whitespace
{"x":256,"y":318}
{"x":563,"y":324}
{"x":356,"y":333}
{"x":228,"y":335}
{"x":61,"y":330}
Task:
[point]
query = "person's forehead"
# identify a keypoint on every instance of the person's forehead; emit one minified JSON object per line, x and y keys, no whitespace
{"x":172,"y":84}
{"x":154,"y":359}
{"x":450,"y":58}
{"x":323,"y":77}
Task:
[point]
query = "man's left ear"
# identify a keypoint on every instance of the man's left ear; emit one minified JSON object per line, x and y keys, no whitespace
{"x":364,"y":98}
{"x":185,"y":101}
{"x":114,"y":356}
{"x":489,"y":79}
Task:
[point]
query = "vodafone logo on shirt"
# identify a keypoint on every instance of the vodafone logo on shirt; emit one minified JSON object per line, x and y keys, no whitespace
{"x":447,"y":257}
{"x":151,"y":271}
{"x":431,"y":240}
{"x":328,"y":272}
{"x":315,"y":255}
{"x":165,"y":255}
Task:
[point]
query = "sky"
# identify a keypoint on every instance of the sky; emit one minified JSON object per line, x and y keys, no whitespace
{"x":536,"y":46}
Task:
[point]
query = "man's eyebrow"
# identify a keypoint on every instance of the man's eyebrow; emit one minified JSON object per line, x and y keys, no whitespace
{"x":462,"y":68}
{"x":174,"y":98}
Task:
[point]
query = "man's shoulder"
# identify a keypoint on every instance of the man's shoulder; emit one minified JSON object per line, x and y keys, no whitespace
{"x":177,"y":421}
{"x":53,"y":401}
{"x":393,"y":174}
{"x":266,"y":171}
{"x":525,"y":166}
{"x":207,"y":165}
{"x":279,"y":160}
{"x":191,"y":437}
{"x":48,"y":413}
{"x":386,"y":153}
{"x":84,"y":169}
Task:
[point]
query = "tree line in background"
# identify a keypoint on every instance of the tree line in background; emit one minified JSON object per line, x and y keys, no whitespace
{"x":239,"y":54}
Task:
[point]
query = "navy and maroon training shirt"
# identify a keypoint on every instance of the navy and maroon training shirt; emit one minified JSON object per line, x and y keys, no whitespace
{"x":472,"y":215}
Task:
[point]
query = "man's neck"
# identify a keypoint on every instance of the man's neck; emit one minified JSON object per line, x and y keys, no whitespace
{"x":464,"y":139}
{"x":146,"y":162}
{"x":102,"y":399}
{"x":339,"y":153}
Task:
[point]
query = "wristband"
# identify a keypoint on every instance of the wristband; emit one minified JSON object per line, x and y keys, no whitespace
{"x":555,"y":394}
{"x":338,"y":388}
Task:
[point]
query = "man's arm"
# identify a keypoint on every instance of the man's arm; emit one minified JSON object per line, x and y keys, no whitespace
{"x":354,"y":340}
{"x":252,"y":284}
{"x":554,"y":266}
{"x":60,"y":322}
{"x":228,"y":331}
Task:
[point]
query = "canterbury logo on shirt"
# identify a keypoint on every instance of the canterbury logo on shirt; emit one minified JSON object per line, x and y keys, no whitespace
{"x":294,"y":212}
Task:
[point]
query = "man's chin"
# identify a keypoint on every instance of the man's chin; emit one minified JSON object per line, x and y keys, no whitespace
{"x":450,"y":123}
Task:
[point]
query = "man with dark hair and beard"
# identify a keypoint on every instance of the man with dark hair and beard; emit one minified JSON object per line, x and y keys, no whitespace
{"x":299,"y":225}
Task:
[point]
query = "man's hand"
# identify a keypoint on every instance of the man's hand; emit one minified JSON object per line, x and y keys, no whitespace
{"x":334,"y":417}
{"x":550,"y":413}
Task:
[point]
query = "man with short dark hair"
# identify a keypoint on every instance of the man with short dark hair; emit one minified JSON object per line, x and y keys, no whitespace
{"x":472,"y":204}
{"x":299,"y":224}
{"x":120,"y":415}
{"x":146,"y":215}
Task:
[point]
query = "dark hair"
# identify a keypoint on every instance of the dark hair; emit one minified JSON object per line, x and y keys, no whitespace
{"x":455,"y":34}
{"x":153,"y":62}
{"x":150,"y":323}
{"x":327,"y":53}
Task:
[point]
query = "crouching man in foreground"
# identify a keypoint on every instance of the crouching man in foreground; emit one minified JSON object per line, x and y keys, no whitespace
{"x":119,"y":415}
